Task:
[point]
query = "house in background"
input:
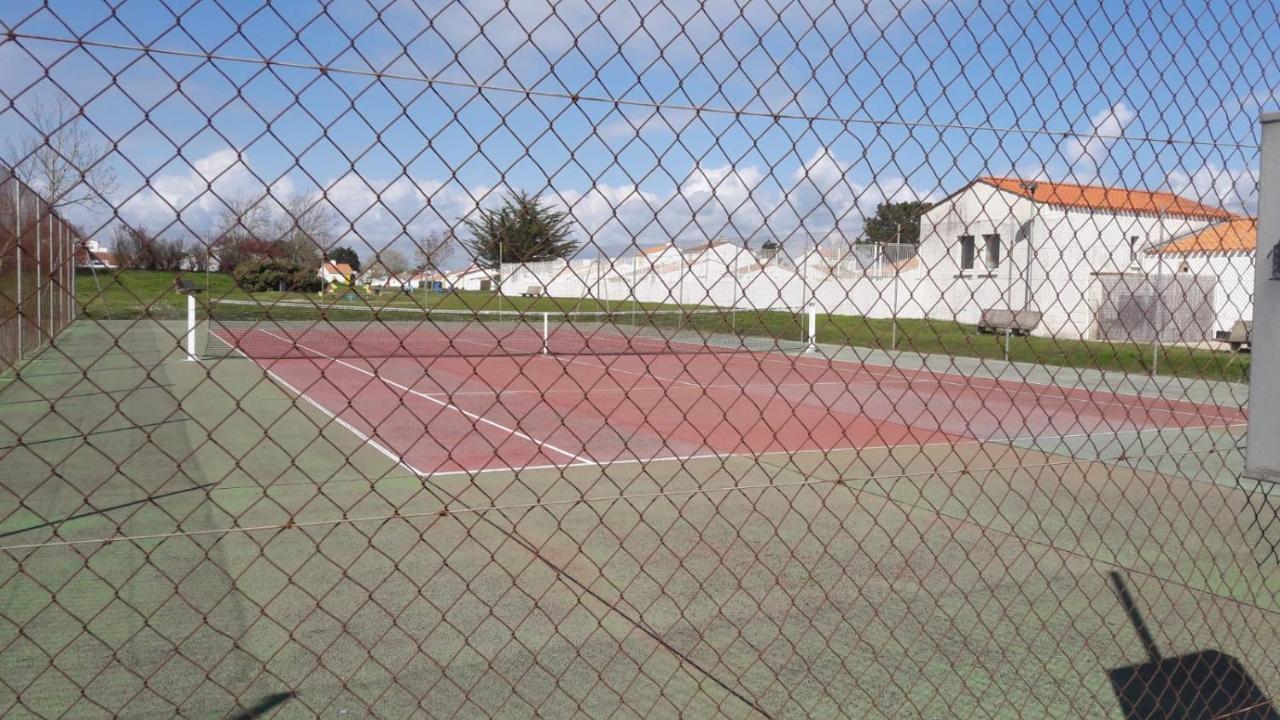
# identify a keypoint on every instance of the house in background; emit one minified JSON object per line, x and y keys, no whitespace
{"x":425,"y":280}
{"x":472,"y":277}
{"x":91,"y":255}
{"x":1071,"y":252}
{"x":1224,"y":252}
{"x":332,"y":272}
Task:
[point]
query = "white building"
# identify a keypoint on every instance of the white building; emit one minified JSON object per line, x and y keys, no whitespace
{"x":92,"y":255}
{"x":472,"y":277}
{"x":1068,"y":251}
{"x":1224,"y":252}
{"x":332,"y":272}
{"x":423,"y":279}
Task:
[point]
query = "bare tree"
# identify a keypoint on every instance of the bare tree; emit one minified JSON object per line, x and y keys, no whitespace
{"x":393,"y":261}
{"x":62,"y":160}
{"x":433,"y":250}
{"x":306,"y":226}
{"x":242,"y":230}
{"x":135,"y":247}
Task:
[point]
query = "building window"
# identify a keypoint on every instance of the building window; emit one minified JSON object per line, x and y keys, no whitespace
{"x":992,"y":258}
{"x":966,"y":252}
{"x":1133,"y":249}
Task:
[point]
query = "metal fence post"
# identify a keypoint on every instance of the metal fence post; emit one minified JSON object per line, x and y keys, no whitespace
{"x":17,"y":253}
{"x":1263,"y":458}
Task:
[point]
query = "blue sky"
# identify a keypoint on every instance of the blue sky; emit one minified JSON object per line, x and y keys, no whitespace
{"x":909,"y":100}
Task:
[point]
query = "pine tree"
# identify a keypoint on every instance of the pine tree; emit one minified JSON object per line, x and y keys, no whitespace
{"x":521,"y":230}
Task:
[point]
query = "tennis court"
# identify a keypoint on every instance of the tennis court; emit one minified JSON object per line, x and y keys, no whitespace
{"x":760,"y":360}
{"x":501,"y":396}
{"x":815,"y":523}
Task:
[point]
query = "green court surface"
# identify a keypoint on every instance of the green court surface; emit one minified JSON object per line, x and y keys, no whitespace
{"x":189,"y":538}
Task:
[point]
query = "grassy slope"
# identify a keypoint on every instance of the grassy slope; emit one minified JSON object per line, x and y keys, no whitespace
{"x":133,"y":293}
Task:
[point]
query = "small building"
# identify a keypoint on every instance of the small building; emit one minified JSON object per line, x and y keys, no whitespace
{"x":1224,"y":254}
{"x":332,"y":272}
{"x":90,"y":255}
{"x":473,"y":277}
{"x":424,"y":280}
{"x":1069,"y":251}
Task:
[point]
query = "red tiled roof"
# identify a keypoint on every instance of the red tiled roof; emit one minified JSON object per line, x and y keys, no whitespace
{"x":339,"y":268}
{"x":1112,"y":199}
{"x":1239,"y":235}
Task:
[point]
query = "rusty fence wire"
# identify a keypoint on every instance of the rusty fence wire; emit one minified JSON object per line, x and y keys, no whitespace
{"x":634,"y":359}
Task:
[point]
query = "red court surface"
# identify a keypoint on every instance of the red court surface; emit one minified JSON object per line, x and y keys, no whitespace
{"x":459,"y":414}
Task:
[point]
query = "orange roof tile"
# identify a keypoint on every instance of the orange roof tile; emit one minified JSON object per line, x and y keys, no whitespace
{"x":1108,"y":198}
{"x":1239,"y":235}
{"x":655,"y":249}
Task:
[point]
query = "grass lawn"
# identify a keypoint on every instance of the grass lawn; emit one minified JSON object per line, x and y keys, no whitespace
{"x":135,"y":293}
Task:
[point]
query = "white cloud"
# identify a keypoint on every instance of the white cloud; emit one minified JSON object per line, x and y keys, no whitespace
{"x":1084,"y":153}
{"x":1233,"y":189}
{"x":728,"y":201}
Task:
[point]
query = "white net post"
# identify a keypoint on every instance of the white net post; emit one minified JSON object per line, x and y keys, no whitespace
{"x":546,"y":336}
{"x":812,"y":335}
{"x":192,"y":327}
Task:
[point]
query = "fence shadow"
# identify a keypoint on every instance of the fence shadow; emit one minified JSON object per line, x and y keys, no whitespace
{"x":1204,"y":685}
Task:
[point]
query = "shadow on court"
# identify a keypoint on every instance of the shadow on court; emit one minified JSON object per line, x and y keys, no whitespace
{"x":263,"y":706}
{"x":1204,"y":685}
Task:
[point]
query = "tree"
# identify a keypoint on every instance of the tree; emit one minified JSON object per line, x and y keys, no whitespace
{"x":62,"y":161}
{"x":521,"y":230}
{"x":433,"y":250}
{"x":394,"y":261}
{"x":896,"y":222}
{"x":305,"y":225}
{"x":388,"y":264}
{"x":343,"y":254}
{"x":135,"y":247}
{"x":258,"y":226}
{"x":241,"y":232}
{"x":262,"y":275}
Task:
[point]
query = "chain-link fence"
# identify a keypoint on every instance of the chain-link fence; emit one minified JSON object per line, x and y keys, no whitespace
{"x":37,"y":271}
{"x":627,"y":359}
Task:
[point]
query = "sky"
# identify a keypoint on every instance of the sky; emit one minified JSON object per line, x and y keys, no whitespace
{"x":647,"y":122}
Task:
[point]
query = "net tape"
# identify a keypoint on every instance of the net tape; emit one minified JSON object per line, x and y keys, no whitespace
{"x":296,"y":330}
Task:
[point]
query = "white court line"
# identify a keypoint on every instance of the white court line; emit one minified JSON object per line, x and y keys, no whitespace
{"x":442,"y":403}
{"x":611,"y":369}
{"x":891,"y":374}
{"x":351,"y":428}
{"x":650,"y":388}
{"x":1138,"y":431}
{"x":936,"y":377}
{"x":771,"y":453}
{"x":701,"y":456}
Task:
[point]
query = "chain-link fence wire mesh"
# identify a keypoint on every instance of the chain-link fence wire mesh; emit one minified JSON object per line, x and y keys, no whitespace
{"x":37,"y":271}
{"x":632,"y":359}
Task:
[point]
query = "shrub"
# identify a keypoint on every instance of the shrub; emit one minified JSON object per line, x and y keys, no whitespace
{"x":264,"y":275}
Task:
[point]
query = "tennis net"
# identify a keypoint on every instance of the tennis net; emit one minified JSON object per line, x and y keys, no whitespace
{"x":308,"y":330}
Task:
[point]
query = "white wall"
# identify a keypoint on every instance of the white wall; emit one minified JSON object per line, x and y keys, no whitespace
{"x":1050,"y":261}
{"x":1233,"y":280}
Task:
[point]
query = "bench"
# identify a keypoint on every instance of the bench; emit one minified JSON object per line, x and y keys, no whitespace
{"x":1238,"y":337}
{"x":533,"y":291}
{"x":1001,"y":320}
